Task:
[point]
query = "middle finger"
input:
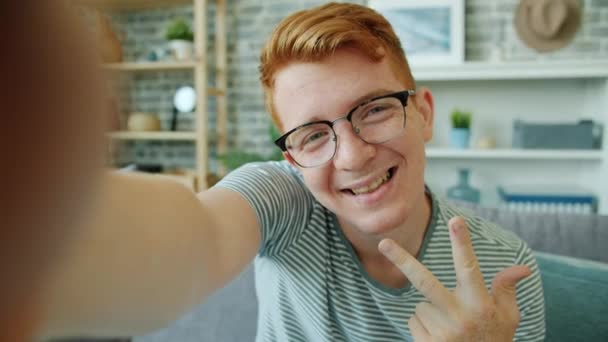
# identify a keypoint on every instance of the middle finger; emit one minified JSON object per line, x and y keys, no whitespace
{"x":468,"y":273}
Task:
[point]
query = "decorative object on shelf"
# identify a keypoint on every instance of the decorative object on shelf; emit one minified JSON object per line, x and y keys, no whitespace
{"x":184,"y":101}
{"x":432,"y":30}
{"x":180,"y":39}
{"x":549,"y":199}
{"x":547,"y":25}
{"x":584,"y":134}
{"x":235,"y":158}
{"x":157,"y":54}
{"x":461,"y":129}
{"x":152,"y":56}
{"x":143,"y":122}
{"x":109,"y":43}
{"x":486,"y":143}
{"x":463,"y":191}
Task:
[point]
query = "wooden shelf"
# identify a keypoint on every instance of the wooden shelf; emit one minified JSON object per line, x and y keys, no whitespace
{"x":150,"y":66}
{"x":130,"y":4}
{"x":512,"y":70}
{"x":175,"y":136}
{"x":514,"y":154}
{"x":199,"y":67}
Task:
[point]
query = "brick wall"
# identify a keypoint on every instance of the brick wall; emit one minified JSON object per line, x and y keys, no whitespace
{"x":488,"y":26}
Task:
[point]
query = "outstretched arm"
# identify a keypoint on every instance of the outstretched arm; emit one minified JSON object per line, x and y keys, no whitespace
{"x":147,"y":252}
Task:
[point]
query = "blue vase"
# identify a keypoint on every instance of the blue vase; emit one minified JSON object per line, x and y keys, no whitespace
{"x":459,"y":138}
{"x":463,"y":191}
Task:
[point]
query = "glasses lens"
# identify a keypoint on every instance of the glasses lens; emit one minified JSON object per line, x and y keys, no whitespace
{"x":380,"y":120}
{"x":312,"y":145}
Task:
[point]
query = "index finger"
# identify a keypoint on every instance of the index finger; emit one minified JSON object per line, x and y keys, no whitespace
{"x":420,"y":277}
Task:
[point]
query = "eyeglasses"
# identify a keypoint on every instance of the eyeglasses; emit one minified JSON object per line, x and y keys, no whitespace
{"x":375,"y":121}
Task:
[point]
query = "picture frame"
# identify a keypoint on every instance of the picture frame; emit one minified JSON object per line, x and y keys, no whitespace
{"x":431,"y":31}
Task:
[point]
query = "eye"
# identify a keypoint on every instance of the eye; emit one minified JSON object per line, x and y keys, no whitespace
{"x":376,"y":109}
{"x":314,"y":136}
{"x":310,"y":137}
{"x":375,"y":112}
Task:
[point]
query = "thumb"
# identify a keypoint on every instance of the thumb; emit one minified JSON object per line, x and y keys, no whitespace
{"x":503,"y":285}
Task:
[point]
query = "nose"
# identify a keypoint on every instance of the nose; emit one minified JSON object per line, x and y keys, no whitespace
{"x":352,"y":153}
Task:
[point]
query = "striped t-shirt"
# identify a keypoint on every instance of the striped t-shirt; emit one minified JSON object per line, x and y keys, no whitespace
{"x":311,"y":285}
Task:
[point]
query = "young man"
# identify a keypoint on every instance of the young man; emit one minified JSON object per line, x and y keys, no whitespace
{"x":349,"y":244}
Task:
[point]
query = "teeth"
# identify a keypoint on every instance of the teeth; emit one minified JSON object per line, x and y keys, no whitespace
{"x":373,"y":186}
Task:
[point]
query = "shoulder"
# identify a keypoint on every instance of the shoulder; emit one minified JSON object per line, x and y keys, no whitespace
{"x":272,"y":174}
{"x":266,"y":169}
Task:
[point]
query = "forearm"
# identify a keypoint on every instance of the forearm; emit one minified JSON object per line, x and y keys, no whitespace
{"x":140,"y":258}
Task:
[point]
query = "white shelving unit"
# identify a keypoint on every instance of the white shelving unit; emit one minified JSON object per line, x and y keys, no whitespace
{"x":198,"y":66}
{"x":513,"y":70}
{"x":173,"y":136}
{"x":150,"y":66}
{"x":514,"y":154}
{"x":499,"y":93}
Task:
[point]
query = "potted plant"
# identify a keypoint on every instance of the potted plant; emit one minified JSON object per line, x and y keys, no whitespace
{"x":461,"y":129}
{"x":235,"y":158}
{"x":180,"y":39}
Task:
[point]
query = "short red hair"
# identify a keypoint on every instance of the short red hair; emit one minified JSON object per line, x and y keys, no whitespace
{"x":314,"y":34}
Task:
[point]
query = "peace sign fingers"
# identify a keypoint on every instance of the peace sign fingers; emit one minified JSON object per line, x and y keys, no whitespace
{"x":420,"y":277}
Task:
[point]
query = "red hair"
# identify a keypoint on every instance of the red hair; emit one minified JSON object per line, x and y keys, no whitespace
{"x":314,"y":34}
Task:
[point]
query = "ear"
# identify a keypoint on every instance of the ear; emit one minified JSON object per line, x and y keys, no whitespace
{"x":426,"y":107}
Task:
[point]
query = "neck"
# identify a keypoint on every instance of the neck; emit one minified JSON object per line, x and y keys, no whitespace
{"x":409,"y":235}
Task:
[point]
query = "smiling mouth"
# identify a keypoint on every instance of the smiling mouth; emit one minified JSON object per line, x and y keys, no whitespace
{"x":374,"y":185}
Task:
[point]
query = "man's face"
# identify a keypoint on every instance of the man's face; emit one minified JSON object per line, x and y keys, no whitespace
{"x":306,"y":92}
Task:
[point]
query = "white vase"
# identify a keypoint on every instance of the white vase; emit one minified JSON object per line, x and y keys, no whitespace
{"x":183,"y":50}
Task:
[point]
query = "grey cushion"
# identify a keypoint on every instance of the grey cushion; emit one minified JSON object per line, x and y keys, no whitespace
{"x":575,"y":235}
{"x":230,"y":315}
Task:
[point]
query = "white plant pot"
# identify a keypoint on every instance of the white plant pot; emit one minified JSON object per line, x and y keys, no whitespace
{"x":182,"y":49}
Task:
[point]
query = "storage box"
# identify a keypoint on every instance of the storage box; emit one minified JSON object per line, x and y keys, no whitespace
{"x":582,"y":135}
{"x":558,"y":199}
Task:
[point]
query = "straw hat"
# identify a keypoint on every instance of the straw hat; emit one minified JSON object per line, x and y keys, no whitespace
{"x":547,"y":25}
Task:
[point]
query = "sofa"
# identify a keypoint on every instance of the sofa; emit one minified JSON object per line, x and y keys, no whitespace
{"x":572,"y":253}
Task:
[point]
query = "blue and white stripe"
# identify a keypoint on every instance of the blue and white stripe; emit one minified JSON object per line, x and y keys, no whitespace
{"x":312,"y":287}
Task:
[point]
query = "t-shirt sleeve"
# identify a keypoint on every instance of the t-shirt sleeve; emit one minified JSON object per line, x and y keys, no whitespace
{"x":530,"y":299}
{"x":280,"y":199}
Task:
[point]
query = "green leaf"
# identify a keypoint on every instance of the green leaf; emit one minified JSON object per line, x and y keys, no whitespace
{"x":461,"y":119}
{"x":179,"y":29}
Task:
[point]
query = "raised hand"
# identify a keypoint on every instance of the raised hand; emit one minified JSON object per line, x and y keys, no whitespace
{"x":470,"y":312}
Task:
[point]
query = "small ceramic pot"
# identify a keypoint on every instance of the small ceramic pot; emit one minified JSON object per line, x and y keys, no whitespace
{"x":183,"y":50}
{"x":459,"y":138}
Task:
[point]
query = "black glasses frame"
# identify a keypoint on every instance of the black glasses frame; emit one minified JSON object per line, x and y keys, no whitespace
{"x":402,"y":96}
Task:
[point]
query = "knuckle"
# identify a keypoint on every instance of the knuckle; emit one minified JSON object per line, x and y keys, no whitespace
{"x":471,"y":265}
{"x":513,"y":321}
{"x":408,"y":265}
{"x":403,"y":260}
{"x":466,"y":327}
{"x":486,"y":312}
{"x":426,"y":285}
